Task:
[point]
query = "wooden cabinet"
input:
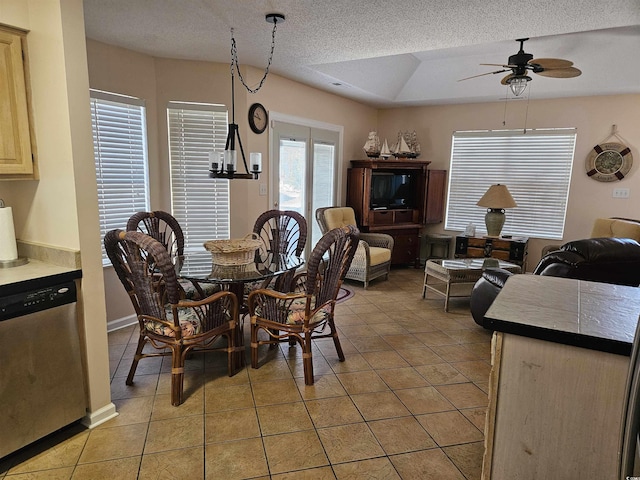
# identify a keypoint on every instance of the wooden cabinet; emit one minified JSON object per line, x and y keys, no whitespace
{"x":513,"y":250}
{"x":16,"y":159}
{"x":396,"y":197}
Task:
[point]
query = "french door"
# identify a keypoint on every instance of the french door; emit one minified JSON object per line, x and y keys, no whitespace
{"x":305,"y":171}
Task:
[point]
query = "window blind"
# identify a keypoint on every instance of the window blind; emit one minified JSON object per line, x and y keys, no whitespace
{"x":120,"y":151}
{"x":535,"y":166}
{"x":199,"y":203}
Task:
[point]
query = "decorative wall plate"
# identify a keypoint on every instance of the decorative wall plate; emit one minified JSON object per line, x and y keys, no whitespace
{"x":609,"y":162}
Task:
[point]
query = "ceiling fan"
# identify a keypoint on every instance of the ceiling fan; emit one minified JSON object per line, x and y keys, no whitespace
{"x":522,"y":63}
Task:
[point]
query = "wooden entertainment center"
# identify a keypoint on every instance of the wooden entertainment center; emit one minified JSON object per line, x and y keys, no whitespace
{"x":397,"y":197}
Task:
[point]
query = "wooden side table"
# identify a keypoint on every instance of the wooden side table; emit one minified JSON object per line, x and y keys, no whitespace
{"x":512,"y":249}
{"x":437,"y":245}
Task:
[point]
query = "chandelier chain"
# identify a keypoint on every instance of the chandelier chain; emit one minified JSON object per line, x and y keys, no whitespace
{"x":234,"y":60}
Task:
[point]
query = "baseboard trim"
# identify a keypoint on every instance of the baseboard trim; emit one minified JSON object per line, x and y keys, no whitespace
{"x":123,"y":322}
{"x":93,"y":419}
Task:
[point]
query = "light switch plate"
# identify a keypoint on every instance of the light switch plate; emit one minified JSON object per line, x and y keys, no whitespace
{"x":620,"y":193}
{"x":263,"y":189}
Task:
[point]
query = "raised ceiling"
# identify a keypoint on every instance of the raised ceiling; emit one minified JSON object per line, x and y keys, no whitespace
{"x":394,"y":53}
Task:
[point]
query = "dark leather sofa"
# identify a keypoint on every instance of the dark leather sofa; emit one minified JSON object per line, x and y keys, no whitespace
{"x":606,"y":260}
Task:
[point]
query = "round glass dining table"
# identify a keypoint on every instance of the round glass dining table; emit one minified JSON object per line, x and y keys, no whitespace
{"x":199,"y":267}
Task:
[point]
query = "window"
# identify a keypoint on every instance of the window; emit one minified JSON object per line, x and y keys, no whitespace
{"x":199,"y":203}
{"x":120,"y":149}
{"x":535,"y":166}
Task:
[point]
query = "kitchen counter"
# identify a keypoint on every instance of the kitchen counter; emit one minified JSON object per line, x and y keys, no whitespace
{"x":33,"y":275}
{"x":558,"y":378}
{"x":598,"y":316}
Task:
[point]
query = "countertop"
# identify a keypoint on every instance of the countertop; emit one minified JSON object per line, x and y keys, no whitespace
{"x":35,"y":274}
{"x":598,"y":316}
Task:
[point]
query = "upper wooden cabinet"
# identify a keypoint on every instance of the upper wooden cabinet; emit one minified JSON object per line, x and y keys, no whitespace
{"x":16,"y":159}
{"x":396,"y":197}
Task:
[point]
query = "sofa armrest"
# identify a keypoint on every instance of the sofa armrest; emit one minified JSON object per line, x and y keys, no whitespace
{"x":485,"y":291}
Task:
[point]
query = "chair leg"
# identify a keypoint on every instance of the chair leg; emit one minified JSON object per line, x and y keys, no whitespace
{"x":177,"y":375}
{"x":336,"y":341}
{"x":307,"y":360}
{"x":274,"y":332}
{"x":232,"y":354}
{"x":136,"y":359}
{"x":254,"y":346}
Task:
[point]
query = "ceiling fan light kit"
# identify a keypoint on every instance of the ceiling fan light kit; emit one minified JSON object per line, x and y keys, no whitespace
{"x":522,"y":63}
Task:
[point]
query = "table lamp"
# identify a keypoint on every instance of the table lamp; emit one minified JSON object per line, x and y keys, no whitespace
{"x":496,"y":199}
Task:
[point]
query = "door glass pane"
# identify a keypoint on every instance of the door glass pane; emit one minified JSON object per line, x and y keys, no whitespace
{"x":323,"y":183}
{"x":292,"y":174}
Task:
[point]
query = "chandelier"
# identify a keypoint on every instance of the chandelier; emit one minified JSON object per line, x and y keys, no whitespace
{"x":224,"y":164}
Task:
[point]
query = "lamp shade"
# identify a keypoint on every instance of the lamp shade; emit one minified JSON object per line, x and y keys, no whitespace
{"x":497,"y":196}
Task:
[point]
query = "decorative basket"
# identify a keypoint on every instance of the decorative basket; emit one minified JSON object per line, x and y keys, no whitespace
{"x":239,"y":251}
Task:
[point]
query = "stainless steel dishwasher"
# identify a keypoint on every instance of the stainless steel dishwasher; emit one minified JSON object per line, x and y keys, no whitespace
{"x":41,"y":374}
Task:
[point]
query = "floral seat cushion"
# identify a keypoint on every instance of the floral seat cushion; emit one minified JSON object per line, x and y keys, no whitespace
{"x":189,"y":324}
{"x":191,"y":293}
{"x":296,"y":313}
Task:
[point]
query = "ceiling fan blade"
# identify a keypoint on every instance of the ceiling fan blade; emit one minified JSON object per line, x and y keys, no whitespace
{"x":499,"y":65}
{"x":551,"y":62}
{"x":506,"y":79}
{"x":569,"y":72}
{"x":483,"y":74}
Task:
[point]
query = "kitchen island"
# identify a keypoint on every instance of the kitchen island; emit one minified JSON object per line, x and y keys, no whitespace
{"x":560,"y":357}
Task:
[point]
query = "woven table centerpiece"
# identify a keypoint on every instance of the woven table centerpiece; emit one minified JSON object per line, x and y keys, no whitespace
{"x":234,"y":252}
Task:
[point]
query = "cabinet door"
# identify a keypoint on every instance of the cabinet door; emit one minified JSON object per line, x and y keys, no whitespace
{"x":436,"y":183}
{"x":405,"y":247}
{"x":15,"y":141}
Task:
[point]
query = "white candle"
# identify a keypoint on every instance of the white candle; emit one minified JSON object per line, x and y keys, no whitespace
{"x":256,"y":162}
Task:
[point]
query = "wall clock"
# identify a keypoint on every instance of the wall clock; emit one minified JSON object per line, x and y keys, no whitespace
{"x":609,"y":162}
{"x":258,"y":118}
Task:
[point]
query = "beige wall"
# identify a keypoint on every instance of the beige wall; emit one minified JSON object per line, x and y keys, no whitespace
{"x":160,"y":80}
{"x":592,"y":116}
{"x":60,"y":209}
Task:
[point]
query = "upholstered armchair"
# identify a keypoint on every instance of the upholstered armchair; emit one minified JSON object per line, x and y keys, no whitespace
{"x":373,"y":256}
{"x":613,"y":227}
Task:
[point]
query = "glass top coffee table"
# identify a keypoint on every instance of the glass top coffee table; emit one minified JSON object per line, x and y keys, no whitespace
{"x":455,"y":278}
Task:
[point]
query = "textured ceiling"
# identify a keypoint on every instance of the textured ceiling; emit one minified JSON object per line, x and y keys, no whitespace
{"x":393,"y":53}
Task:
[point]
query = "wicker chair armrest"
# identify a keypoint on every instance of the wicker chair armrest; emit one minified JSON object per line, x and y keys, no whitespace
{"x":378,"y":240}
{"x":272,"y":305}
{"x":217,"y":310}
{"x":362,"y":255}
{"x":185,"y":303}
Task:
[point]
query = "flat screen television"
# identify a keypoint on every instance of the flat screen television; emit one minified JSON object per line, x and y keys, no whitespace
{"x":392,"y":190}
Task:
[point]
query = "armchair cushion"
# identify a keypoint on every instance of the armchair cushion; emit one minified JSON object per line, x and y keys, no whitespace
{"x":339,"y":217}
{"x":379,"y":255}
{"x":616,"y":227}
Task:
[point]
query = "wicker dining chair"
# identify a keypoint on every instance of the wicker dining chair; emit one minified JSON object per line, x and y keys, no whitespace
{"x":373,"y":257}
{"x":282,"y":232}
{"x":166,"y":229}
{"x":304,"y":316}
{"x":172,"y":325}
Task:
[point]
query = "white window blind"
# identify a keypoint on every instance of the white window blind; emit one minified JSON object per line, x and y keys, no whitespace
{"x":199,"y":203}
{"x":535,"y":166}
{"x":120,"y":150}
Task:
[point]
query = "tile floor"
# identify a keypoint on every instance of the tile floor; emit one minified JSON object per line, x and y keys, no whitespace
{"x":408,"y":402}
